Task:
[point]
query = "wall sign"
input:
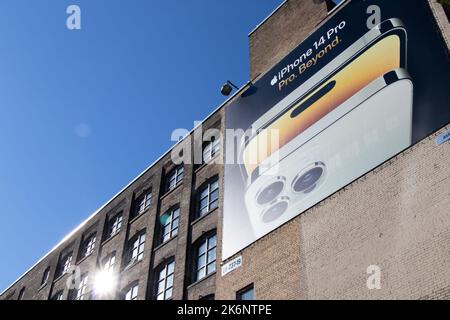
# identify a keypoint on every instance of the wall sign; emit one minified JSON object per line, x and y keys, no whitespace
{"x":231,"y":265}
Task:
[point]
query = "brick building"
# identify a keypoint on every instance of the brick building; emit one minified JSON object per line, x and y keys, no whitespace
{"x":162,"y":233}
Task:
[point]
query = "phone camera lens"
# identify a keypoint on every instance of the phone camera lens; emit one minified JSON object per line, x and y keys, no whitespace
{"x":275,"y":211}
{"x":307,"y":181}
{"x":270,"y":193}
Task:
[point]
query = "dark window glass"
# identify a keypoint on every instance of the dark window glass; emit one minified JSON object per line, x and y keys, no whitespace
{"x":246,"y":293}
{"x":21,"y":294}
{"x":45,"y":276}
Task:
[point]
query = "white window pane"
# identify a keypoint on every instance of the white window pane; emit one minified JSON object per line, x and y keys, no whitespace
{"x":212,"y":255}
{"x":211,"y":268}
{"x":212,"y":242}
{"x":201,"y":261}
{"x":169,"y":293}
{"x":202,"y":248}
{"x":171,"y":268}
{"x":169,"y":282}
{"x":201,"y":273}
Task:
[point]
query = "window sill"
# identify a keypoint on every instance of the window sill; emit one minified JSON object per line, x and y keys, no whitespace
{"x":110,"y":238}
{"x":84,"y":258}
{"x":131,"y":265}
{"x":60,"y":277}
{"x":167,"y":193}
{"x":211,"y":161}
{"x":202,"y":280}
{"x":159,"y":246}
{"x":138,"y":216}
{"x":43,"y":286}
{"x":197,"y":220}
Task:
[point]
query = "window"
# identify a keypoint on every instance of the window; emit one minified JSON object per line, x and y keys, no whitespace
{"x":58,"y":295}
{"x":81,"y":291}
{"x":211,"y":149}
{"x":114,"y":225}
{"x":132,"y":292}
{"x":208,"y":297}
{"x":21,"y":294}
{"x":66,"y":263}
{"x":169,"y":222}
{"x":143,"y":203}
{"x":245,"y":294}
{"x":174,"y":177}
{"x":88,"y":246}
{"x":45,"y":276}
{"x":206,"y":257}
{"x":165,"y":282}
{"x":209,"y":197}
{"x":109,"y":262}
{"x":137,"y":248}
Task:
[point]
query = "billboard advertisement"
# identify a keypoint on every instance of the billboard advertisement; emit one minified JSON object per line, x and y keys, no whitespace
{"x":366,"y":85}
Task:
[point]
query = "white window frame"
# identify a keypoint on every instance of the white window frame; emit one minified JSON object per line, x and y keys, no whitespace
{"x":89,"y":245}
{"x":132,"y":292}
{"x":109,"y":263}
{"x":211,"y":149}
{"x":145,"y":202}
{"x":67,"y":263}
{"x":208,"y":191}
{"x":137,"y":249}
{"x":81,"y":293}
{"x":164,"y":286}
{"x":115,"y":225}
{"x":203,"y":269}
{"x":175,"y":177}
{"x":170,"y":228}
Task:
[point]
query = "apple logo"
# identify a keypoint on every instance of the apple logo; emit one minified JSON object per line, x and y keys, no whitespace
{"x":274,"y":81}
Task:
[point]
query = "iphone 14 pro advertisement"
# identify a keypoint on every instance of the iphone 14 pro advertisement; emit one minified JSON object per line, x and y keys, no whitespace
{"x":368,"y":84}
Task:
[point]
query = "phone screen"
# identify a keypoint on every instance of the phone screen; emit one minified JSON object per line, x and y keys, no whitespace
{"x":381,"y":57}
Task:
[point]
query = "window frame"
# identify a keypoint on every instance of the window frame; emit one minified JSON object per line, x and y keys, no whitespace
{"x":211,"y":148}
{"x":58,"y":296}
{"x":114,"y":225}
{"x":176,"y":175}
{"x":164,"y":270}
{"x":209,"y":203}
{"x":132,"y":289}
{"x":240,"y":294}
{"x":21,"y":295}
{"x":137,"y":244}
{"x":45,"y":276}
{"x":143,"y":202}
{"x":172,"y":230}
{"x":89,"y":245}
{"x":66,"y":263}
{"x":81,"y":292}
{"x":107,"y":265}
{"x":206,"y":240}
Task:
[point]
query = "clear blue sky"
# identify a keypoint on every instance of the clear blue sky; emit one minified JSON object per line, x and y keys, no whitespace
{"x":83,"y":112}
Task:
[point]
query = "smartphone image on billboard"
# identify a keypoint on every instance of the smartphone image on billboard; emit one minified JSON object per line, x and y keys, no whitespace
{"x":351,"y":116}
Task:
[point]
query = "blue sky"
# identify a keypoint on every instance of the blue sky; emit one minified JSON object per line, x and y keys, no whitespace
{"x":83,"y":112}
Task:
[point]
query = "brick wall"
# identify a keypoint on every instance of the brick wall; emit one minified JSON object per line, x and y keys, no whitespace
{"x":396,"y":217}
